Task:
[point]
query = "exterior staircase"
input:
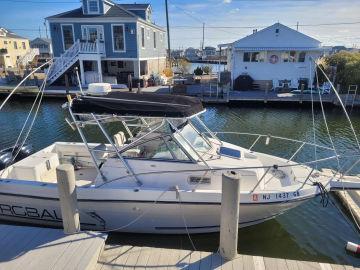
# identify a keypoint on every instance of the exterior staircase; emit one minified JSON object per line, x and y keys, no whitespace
{"x":28,"y":57}
{"x":71,"y":55}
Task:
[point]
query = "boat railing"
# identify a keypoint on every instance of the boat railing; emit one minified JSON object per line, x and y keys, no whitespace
{"x":268,"y":137}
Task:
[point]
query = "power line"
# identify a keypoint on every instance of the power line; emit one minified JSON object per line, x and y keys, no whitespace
{"x":263,"y":26}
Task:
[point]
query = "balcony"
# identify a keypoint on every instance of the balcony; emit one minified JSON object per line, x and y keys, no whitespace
{"x":88,"y":47}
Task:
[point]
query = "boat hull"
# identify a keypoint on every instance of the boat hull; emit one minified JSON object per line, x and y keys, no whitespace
{"x":163,"y":217}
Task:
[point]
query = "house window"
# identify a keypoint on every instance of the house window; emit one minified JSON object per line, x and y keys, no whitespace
{"x":254,"y":57}
{"x":247,"y":56}
{"x":92,"y":33}
{"x":143,"y":37}
{"x":302,"y":57}
{"x":15,"y":45}
{"x":120,"y":64}
{"x":154,"y":40}
{"x":24,"y":45}
{"x":148,"y":33}
{"x":68,"y":36}
{"x":5,"y":42}
{"x":292,"y":57}
{"x":285,"y":57}
{"x":118,"y":38}
{"x":289,"y":56}
{"x":93,"y":6}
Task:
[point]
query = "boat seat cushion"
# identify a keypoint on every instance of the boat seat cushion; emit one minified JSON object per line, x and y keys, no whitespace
{"x":35,"y":167}
{"x":119,"y":139}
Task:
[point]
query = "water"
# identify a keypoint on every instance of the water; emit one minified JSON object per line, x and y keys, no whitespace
{"x":308,"y":232}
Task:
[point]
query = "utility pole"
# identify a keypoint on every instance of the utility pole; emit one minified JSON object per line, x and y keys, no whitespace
{"x":297,"y":26}
{"x":39,"y":32}
{"x":203,"y":37}
{"x":168,"y":32}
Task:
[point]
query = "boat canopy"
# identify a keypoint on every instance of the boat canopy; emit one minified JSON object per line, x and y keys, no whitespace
{"x":143,"y":105}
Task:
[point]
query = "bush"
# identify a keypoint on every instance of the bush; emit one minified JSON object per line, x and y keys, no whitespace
{"x":184,"y":66}
{"x":207,"y":69}
{"x":347,"y":67}
{"x":198,"y":71}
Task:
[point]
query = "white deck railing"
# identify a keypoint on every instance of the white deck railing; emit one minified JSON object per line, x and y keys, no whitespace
{"x":92,"y":47}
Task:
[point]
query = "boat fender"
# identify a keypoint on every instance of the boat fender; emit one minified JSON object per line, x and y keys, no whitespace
{"x":5,"y":159}
{"x":355,"y":248}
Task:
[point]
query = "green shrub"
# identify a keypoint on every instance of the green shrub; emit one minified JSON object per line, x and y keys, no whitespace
{"x":198,"y":71}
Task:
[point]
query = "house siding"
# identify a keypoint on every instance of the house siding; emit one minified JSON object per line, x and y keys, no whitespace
{"x":149,"y":51}
{"x":130,"y":38}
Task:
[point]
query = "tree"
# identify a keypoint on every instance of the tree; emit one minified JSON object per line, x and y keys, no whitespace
{"x":207,"y":69}
{"x":347,"y":67}
{"x":184,"y":66}
{"x":198,"y":71}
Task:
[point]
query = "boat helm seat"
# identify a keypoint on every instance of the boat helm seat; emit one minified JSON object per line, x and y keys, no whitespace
{"x":119,"y":139}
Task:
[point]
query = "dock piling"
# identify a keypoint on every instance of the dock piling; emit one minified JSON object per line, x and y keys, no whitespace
{"x":68,"y":198}
{"x":229,"y":223}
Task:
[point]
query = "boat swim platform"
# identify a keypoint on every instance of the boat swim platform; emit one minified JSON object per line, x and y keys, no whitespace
{"x":36,"y":248}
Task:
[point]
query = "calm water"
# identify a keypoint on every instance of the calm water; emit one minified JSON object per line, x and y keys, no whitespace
{"x":308,"y":232}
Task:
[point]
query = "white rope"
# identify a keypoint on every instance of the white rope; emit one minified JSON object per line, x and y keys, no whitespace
{"x":185,"y":223}
{"x":23,"y":80}
{"x":325,"y":120}
{"x":313,"y":114}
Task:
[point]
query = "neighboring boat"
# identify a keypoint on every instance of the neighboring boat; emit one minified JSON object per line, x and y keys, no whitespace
{"x":161,"y":172}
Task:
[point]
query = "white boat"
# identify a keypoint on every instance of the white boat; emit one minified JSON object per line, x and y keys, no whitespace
{"x":161,"y":172}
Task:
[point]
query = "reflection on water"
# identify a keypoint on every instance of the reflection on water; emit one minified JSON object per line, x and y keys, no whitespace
{"x":308,"y":232}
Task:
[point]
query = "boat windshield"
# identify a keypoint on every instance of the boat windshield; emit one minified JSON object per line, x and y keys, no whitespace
{"x":189,"y":135}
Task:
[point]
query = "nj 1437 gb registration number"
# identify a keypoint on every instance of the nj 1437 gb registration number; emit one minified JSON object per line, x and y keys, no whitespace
{"x":275,"y":196}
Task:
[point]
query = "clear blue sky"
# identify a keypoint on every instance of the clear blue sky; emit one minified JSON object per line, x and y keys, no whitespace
{"x":187,"y":16}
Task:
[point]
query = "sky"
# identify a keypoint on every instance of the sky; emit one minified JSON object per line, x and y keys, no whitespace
{"x":333,"y":22}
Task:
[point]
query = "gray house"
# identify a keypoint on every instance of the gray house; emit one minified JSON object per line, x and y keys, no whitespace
{"x":107,"y":41}
{"x":45,"y":48}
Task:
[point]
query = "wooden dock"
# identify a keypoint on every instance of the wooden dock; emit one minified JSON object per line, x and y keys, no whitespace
{"x":130,"y":257}
{"x":35,"y":248}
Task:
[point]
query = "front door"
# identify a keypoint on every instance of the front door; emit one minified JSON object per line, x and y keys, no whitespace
{"x":68,"y":35}
{"x":91,"y":33}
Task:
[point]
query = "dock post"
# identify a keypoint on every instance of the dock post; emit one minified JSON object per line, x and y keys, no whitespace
{"x":68,"y":198}
{"x":229,"y":223}
{"x":266,"y":92}
{"x":302,"y":93}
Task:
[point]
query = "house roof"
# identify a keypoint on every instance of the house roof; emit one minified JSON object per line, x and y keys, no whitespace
{"x":44,"y":40}
{"x":114,"y":11}
{"x":277,"y":36}
{"x":10,"y":34}
{"x":134,"y":6}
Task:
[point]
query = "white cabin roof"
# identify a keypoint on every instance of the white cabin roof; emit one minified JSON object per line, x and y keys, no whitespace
{"x":277,"y":37}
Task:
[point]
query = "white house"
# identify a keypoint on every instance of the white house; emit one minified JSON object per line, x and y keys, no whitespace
{"x":274,"y":57}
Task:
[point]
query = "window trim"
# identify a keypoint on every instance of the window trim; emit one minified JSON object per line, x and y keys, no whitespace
{"x":62,"y":34}
{"x":88,"y":7}
{"x":112,"y":37}
{"x":155,"y":40}
{"x":143,"y":44}
{"x":98,"y":26}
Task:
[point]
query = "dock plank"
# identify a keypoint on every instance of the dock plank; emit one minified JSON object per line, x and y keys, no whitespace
{"x":276,"y":264}
{"x":248,"y":262}
{"x":216,"y":261}
{"x":153,"y":258}
{"x":35,"y":248}
{"x":238,"y":263}
{"x":259,"y":263}
{"x":308,"y":265}
{"x":143,"y":258}
{"x":205,"y":262}
{"x":195,"y":260}
{"x":132,"y":259}
{"x":173,"y":259}
{"x":184,"y":259}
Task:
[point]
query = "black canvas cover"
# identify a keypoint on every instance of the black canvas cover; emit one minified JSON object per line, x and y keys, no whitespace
{"x":144,"y":104}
